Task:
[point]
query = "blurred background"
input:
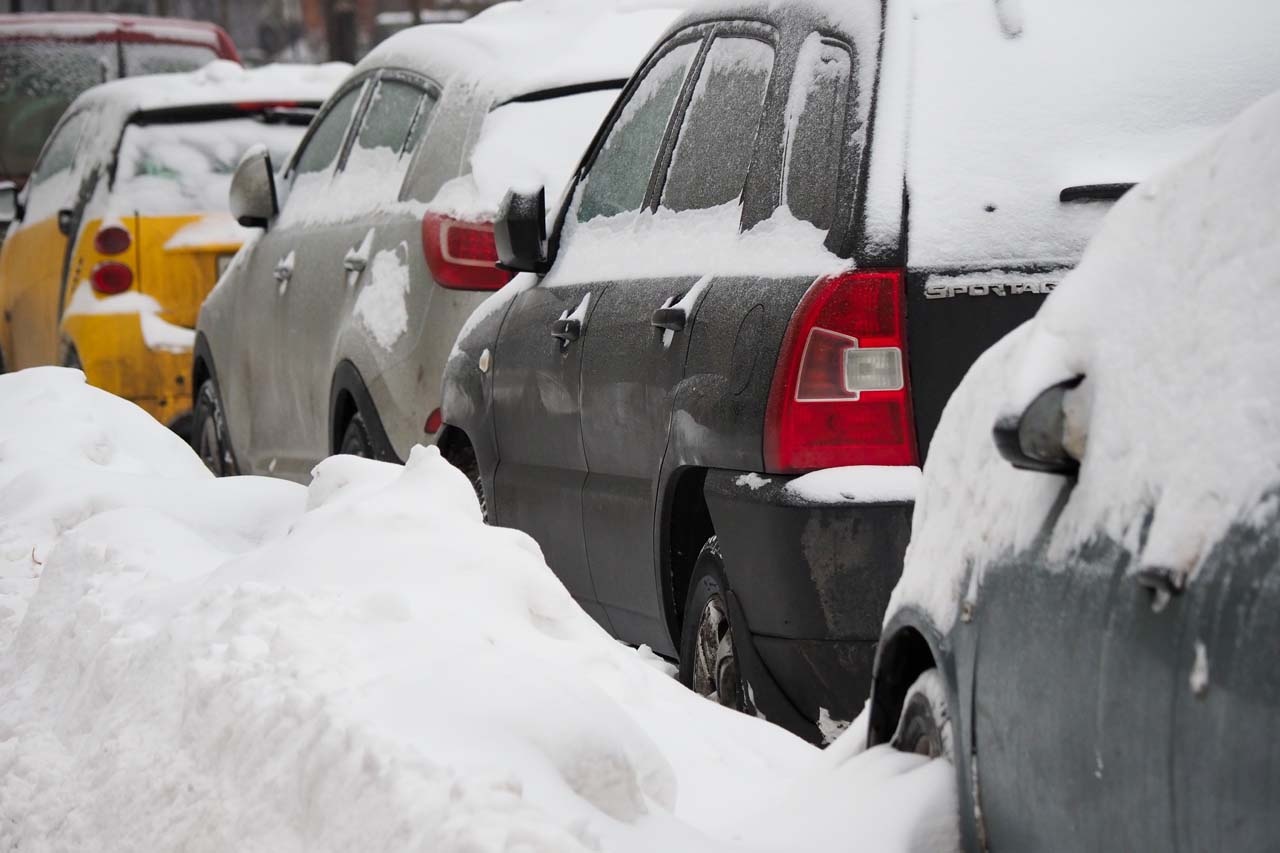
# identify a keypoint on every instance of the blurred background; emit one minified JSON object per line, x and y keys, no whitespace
{"x":289,"y":30}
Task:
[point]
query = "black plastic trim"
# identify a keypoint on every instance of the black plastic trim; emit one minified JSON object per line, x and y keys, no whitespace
{"x":346,"y":378}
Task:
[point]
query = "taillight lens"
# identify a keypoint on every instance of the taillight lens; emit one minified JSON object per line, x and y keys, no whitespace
{"x":110,"y":278}
{"x":462,"y":255}
{"x":112,"y":240}
{"x":840,"y":392}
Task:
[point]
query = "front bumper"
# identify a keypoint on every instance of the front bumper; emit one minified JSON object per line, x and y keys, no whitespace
{"x":809,"y":584}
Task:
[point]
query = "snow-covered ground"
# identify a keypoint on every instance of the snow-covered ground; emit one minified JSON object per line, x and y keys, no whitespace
{"x":247,"y":664}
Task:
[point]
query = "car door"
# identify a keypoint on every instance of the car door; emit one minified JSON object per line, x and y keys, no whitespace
{"x":336,"y":259}
{"x":278,"y":259}
{"x":537,"y":374}
{"x":1042,"y":627}
{"x":641,"y":326}
{"x":36,"y":250}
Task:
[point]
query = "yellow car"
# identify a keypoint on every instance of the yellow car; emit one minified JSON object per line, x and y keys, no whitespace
{"x":123,"y":227}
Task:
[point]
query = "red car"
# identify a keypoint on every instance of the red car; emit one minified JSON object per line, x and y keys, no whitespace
{"x":48,"y":59}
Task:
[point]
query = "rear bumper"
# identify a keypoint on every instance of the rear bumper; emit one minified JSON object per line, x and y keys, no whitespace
{"x":809,"y":583}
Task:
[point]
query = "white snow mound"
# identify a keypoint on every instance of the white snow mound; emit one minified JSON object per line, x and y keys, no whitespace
{"x":247,"y":664}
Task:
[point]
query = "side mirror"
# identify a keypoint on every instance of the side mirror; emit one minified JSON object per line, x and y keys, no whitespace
{"x":253,"y":189}
{"x":521,"y":232}
{"x":9,"y":211}
{"x":1033,"y":441}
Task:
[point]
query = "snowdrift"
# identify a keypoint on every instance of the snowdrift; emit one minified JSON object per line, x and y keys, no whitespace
{"x":247,"y":664}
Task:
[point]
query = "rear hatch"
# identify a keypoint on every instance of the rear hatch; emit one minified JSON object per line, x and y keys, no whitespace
{"x":1026,"y":122}
{"x":173,"y":173}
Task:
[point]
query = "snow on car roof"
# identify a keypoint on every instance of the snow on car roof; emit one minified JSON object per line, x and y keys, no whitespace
{"x":219,"y":82}
{"x":1170,"y":317}
{"x":517,"y":48}
{"x":57,"y":25}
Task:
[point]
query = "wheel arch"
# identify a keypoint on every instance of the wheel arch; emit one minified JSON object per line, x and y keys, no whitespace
{"x":349,"y":395}
{"x":909,"y":645}
{"x":684,"y":527}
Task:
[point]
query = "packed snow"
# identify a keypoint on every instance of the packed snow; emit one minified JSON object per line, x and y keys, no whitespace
{"x":858,"y":484}
{"x":1170,"y":318}
{"x":381,"y":306}
{"x":249,"y":664}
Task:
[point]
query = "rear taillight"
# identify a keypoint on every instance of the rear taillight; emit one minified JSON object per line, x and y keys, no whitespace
{"x":462,"y":255}
{"x":112,"y":240}
{"x":110,"y":278}
{"x":840,"y":392}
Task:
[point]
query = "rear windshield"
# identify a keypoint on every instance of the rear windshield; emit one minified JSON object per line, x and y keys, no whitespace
{"x":187,"y":167}
{"x":1063,"y":95}
{"x":40,"y":78}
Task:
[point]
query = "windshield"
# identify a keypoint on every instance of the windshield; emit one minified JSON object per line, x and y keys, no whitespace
{"x":186,"y":167}
{"x":38,"y":80}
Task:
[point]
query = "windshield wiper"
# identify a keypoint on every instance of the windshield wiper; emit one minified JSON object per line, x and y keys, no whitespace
{"x":1094,"y":192}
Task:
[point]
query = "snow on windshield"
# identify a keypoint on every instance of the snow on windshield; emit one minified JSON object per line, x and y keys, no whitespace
{"x":187,"y":167}
{"x":524,"y":145}
{"x":1170,"y":317}
{"x":1088,"y":92}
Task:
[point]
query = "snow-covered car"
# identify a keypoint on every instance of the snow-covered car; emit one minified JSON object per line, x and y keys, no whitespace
{"x":1093,"y":645}
{"x":123,"y":227}
{"x":790,"y":240}
{"x":330,"y":332}
{"x":46,"y":60}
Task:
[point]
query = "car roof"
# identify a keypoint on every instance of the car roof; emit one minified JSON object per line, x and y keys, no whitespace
{"x":535,"y":45}
{"x":219,"y":82}
{"x":76,"y":25}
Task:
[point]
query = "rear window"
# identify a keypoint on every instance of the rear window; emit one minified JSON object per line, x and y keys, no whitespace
{"x":159,"y":58}
{"x":174,"y":168}
{"x":1064,"y":95}
{"x":38,"y":81}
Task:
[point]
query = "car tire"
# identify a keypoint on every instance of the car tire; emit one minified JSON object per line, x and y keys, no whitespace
{"x":924,"y":727}
{"x":209,"y":431}
{"x":355,"y":439}
{"x":709,"y":663}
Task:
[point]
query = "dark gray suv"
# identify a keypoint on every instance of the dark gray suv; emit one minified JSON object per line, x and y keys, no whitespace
{"x":792,"y":236}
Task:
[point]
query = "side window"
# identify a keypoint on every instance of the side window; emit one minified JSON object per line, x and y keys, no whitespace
{"x":390,"y":127}
{"x":619,"y":177}
{"x":325,"y":143}
{"x":60,"y":153}
{"x":713,"y":152}
{"x":816,"y":134}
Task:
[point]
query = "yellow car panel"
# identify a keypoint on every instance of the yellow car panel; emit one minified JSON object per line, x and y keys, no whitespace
{"x":31,"y":262}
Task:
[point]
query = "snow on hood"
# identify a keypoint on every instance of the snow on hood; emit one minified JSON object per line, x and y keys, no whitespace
{"x":1170,"y":317}
{"x":249,"y":664}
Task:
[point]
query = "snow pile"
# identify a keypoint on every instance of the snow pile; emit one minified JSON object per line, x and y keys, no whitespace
{"x":1170,"y":318}
{"x":381,"y":304}
{"x":249,"y":664}
{"x":858,"y":484}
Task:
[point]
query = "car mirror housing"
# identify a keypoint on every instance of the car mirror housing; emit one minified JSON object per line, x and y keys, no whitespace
{"x":1033,"y":440}
{"x":253,"y":190}
{"x":9,"y":211}
{"x":521,"y":232}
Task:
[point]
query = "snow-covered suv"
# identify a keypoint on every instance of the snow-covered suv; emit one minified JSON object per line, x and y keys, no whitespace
{"x":795,"y":232}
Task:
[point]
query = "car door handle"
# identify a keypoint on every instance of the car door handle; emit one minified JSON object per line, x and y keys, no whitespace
{"x":1162,"y":579}
{"x":354,"y":261}
{"x":283,"y":272}
{"x":566,"y":329}
{"x":670,"y":317}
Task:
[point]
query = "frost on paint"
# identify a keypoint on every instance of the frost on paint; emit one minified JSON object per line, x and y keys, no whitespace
{"x":380,"y":307}
{"x":362,"y":664}
{"x":1191,"y":255}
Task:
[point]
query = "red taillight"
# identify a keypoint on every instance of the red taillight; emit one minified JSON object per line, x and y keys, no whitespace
{"x":461,"y":255}
{"x":840,"y":393}
{"x":434,"y":421}
{"x":112,"y":240}
{"x":110,"y":278}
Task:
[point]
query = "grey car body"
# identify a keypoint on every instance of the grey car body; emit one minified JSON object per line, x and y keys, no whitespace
{"x":628,"y":448}
{"x":1101,"y":598}
{"x":332,"y":312}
